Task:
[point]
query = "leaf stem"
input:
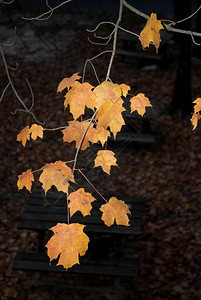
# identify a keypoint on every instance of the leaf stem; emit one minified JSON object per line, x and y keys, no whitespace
{"x":91,"y":185}
{"x":82,"y":138}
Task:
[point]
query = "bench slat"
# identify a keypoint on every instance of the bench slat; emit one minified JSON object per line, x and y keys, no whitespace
{"x":44,"y":225}
{"x":40,"y":262}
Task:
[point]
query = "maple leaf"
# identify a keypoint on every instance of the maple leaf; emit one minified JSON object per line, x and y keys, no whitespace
{"x":79,"y":96}
{"x":109,"y":115}
{"x":125,"y":88}
{"x":24,"y":135}
{"x":80,"y":200}
{"x":101,"y":135}
{"x":105,"y":159}
{"x":107,"y":90}
{"x":57,"y":174}
{"x":197,"y":106}
{"x":25,"y":180}
{"x":139,"y":103}
{"x":75,"y":131}
{"x":36,"y":131}
{"x":150,"y":33}
{"x":115,"y":210}
{"x":67,"y":82}
{"x":194,"y":120}
{"x":68,"y":241}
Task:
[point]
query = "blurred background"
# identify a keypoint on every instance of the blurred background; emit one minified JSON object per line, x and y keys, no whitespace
{"x":158,"y":155}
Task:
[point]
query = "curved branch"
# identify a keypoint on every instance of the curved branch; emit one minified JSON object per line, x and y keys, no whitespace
{"x":168,"y":27}
{"x":49,"y":12}
{"x":81,"y":140}
{"x":14,"y":90}
{"x":115,"y":40}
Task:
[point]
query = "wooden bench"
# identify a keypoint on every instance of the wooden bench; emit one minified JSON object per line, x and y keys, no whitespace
{"x":40,"y":215}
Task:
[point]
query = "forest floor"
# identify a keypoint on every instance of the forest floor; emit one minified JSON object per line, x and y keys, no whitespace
{"x":166,"y":172}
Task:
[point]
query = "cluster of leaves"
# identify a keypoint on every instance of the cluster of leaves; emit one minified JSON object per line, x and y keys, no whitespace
{"x":106,"y":102}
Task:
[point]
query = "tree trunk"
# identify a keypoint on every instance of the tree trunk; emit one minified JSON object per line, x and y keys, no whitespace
{"x":181,"y":101}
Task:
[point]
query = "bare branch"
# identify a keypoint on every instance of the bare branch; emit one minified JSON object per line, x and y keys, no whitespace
{"x":101,"y":44}
{"x":81,"y":140}
{"x":115,"y":39}
{"x":167,"y":26}
{"x":14,"y":90}
{"x":3,"y":2}
{"x":4,"y":91}
{"x":49,"y":13}
{"x":195,"y":12}
{"x":12,"y":43}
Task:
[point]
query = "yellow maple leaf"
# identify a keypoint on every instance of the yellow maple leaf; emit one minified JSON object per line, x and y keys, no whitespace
{"x":75,"y":131}
{"x":110,"y":115}
{"x":57,"y":174}
{"x":115,"y":210}
{"x":194,"y":120}
{"x":79,"y":96}
{"x":36,"y":131}
{"x":150,"y":33}
{"x":67,"y":82}
{"x":80,"y":200}
{"x":107,"y":90}
{"x":105,"y":159}
{"x":101,"y":135}
{"x":139,"y":103}
{"x":197,"y":106}
{"x":125,"y":88}
{"x":24,"y":135}
{"x":25,"y":180}
{"x":68,"y":242}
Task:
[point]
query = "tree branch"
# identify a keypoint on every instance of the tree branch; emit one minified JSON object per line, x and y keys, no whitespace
{"x":49,"y":12}
{"x":15,"y":92}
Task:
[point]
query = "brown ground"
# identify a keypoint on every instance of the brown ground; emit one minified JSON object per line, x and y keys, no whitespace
{"x":166,"y":173}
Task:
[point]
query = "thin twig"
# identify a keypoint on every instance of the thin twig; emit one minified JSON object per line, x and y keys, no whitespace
{"x":168,"y":27}
{"x":14,"y":90}
{"x":49,"y":12}
{"x":100,"y":44}
{"x":3,"y":93}
{"x":91,"y":184}
{"x":68,"y":211}
{"x":12,"y":43}
{"x":84,"y":70}
{"x":82,"y":138}
{"x":7,"y":2}
{"x":195,"y":12}
{"x":101,"y":23}
{"x":114,"y":40}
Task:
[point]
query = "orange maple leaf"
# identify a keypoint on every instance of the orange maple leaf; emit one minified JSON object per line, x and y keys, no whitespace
{"x":194,"y":120}
{"x":36,"y":131}
{"x":150,"y":33}
{"x":67,"y":82}
{"x":105,"y":159}
{"x":80,"y":200}
{"x":197,"y":106}
{"x":139,"y":103}
{"x":57,"y":174}
{"x":110,"y":115}
{"x":107,"y":90}
{"x":125,"y":88}
{"x":68,"y":241}
{"x":115,"y":210}
{"x":25,"y":180}
{"x":75,"y":131}
{"x":24,"y":135}
{"x":79,"y":96}
{"x":101,"y":135}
